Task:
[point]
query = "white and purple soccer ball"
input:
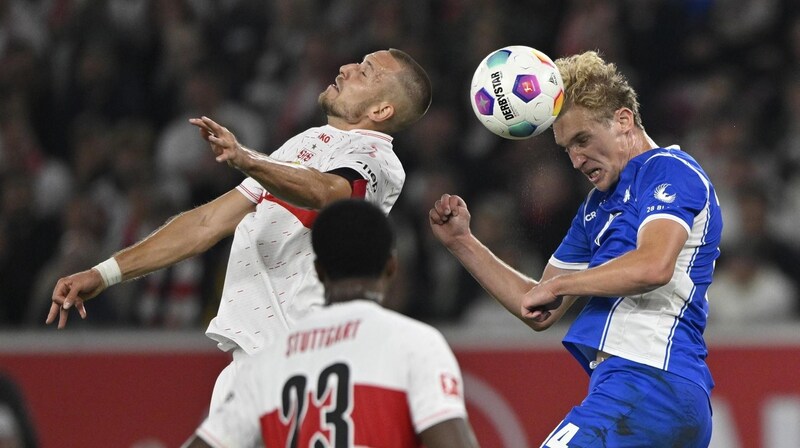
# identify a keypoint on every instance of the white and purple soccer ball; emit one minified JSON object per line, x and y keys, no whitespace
{"x":517,"y":92}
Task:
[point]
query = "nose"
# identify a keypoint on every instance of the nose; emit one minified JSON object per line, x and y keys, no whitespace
{"x":577,"y":159}
{"x":347,"y":68}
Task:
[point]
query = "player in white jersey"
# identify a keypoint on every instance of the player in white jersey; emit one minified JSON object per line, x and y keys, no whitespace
{"x":354,"y":373}
{"x":642,"y":248}
{"x":270,"y":280}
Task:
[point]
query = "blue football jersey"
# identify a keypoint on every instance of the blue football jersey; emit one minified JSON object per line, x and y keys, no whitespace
{"x":664,"y":327}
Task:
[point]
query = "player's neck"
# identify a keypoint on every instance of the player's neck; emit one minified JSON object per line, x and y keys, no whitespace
{"x":364,"y":124}
{"x":345,"y":290}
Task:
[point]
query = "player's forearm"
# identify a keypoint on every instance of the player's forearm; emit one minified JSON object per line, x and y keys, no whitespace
{"x":501,"y":281}
{"x":180,"y":238}
{"x":631,"y":274}
{"x":297,"y":184}
{"x":649,"y":266}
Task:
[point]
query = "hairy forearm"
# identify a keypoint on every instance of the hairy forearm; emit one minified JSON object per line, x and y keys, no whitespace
{"x":501,"y":281}
{"x":181,"y":237}
{"x":297,"y":184}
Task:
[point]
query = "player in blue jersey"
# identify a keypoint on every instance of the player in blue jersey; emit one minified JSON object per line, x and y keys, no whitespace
{"x":641,"y":248}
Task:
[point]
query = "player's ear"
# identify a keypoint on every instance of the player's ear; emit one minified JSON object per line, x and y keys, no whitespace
{"x":380,"y":112}
{"x":624,"y":117}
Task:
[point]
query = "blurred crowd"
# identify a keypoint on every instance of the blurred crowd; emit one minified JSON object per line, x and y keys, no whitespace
{"x":96,"y":151}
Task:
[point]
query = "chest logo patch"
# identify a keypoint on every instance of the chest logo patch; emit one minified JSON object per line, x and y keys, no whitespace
{"x":661,"y":194}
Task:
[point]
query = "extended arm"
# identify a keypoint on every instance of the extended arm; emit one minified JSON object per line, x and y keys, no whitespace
{"x":297,"y":184}
{"x":455,"y":433}
{"x":449,"y":219}
{"x":649,"y":266}
{"x":188,"y":234}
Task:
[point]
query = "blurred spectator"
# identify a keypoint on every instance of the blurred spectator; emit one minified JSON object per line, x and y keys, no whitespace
{"x":433,"y":269}
{"x":94,"y":97}
{"x":495,"y":221}
{"x":182,"y":157}
{"x":26,"y":244}
{"x":748,"y":288}
{"x":84,"y":222}
{"x":548,"y":193}
{"x":754,"y":204}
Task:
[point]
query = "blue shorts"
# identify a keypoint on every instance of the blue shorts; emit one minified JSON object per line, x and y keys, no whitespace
{"x":634,"y":405}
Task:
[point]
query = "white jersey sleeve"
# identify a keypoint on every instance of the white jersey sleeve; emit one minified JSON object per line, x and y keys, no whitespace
{"x":436,"y":390}
{"x":251,"y":189}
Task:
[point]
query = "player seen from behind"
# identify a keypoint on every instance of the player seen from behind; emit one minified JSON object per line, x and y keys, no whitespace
{"x":354,"y":373}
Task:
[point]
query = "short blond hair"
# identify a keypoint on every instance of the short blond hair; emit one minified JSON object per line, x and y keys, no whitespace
{"x":597,"y":85}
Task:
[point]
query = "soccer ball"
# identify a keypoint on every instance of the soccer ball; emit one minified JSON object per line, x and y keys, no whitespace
{"x":517,"y":92}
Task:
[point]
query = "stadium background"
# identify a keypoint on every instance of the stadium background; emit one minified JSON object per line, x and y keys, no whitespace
{"x":96,"y":152}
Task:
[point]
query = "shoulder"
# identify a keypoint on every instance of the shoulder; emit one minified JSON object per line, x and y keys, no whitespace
{"x":671,"y":157}
{"x":408,"y":329}
{"x":671,"y":162}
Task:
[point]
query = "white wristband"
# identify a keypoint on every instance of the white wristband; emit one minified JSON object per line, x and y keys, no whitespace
{"x":110,"y":271}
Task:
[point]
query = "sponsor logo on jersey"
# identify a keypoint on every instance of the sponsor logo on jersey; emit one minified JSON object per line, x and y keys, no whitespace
{"x":449,"y":384}
{"x":373,"y":179}
{"x":590,"y":216}
{"x":627,"y":196}
{"x":305,"y":155}
{"x":661,"y":194}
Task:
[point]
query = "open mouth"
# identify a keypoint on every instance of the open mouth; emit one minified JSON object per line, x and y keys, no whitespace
{"x":593,"y":175}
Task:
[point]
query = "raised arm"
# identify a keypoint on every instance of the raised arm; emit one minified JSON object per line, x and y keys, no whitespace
{"x":185,"y":235}
{"x":297,"y":184}
{"x":449,"y":220}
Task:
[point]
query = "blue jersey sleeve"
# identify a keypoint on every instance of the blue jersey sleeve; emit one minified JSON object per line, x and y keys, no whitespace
{"x":671,"y":187}
{"x":574,"y":251}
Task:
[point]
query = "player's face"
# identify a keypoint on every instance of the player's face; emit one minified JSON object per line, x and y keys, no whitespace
{"x":358,"y":86}
{"x":597,"y":149}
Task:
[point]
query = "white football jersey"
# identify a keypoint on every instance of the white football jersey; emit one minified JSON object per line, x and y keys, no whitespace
{"x":352,"y":374}
{"x":270,"y":280}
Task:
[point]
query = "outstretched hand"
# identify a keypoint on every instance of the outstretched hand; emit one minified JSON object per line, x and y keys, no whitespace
{"x":72,"y":291}
{"x":223,"y":143}
{"x":449,"y":219}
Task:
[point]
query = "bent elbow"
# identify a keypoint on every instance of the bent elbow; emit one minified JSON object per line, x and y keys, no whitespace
{"x":656,"y":277}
